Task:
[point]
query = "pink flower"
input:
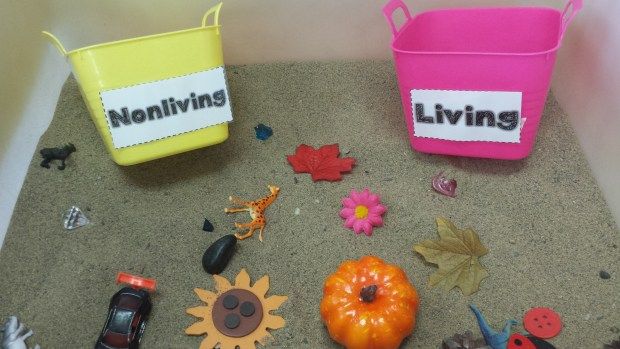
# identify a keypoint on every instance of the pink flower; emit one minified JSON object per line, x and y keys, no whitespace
{"x":362,"y":211}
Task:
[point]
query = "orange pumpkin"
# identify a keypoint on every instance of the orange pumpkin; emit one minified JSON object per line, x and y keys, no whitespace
{"x":369,"y":304}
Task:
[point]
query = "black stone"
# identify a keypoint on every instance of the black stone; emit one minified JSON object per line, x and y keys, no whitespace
{"x":217,"y":256}
{"x":231,"y":302}
{"x":232,"y":321}
{"x":207,"y":226}
{"x":604,"y":275}
{"x":247,"y":309}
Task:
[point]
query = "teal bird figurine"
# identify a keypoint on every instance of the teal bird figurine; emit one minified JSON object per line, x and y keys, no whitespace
{"x":494,"y":339}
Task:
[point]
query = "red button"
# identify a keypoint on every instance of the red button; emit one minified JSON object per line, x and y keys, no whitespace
{"x":519,"y":341}
{"x":542,"y":322}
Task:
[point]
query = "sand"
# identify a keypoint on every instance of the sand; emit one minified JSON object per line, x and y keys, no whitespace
{"x":543,"y":219}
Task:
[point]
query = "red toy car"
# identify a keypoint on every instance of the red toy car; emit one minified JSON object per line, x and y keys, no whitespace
{"x":127,"y":314}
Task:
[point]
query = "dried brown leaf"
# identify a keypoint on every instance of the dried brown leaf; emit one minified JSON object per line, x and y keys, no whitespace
{"x":456,"y":254}
{"x":464,"y":341}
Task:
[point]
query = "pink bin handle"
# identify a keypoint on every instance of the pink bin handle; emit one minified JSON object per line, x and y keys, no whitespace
{"x":393,"y":5}
{"x":573,"y":6}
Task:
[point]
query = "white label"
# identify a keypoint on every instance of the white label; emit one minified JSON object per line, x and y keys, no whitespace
{"x":159,"y":109}
{"x":467,"y":115}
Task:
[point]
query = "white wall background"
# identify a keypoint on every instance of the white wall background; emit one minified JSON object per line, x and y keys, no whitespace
{"x":586,"y":82}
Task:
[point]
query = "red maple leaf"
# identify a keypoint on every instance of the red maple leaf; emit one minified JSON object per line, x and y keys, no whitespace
{"x":322,"y":164}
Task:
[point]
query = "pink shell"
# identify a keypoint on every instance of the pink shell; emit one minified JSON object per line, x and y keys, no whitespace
{"x":444,"y":186}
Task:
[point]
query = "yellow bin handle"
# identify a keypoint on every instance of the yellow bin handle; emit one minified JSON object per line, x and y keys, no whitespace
{"x":54,"y":40}
{"x":215,"y":11}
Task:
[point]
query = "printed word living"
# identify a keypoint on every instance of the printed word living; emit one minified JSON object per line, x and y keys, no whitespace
{"x":505,"y":120}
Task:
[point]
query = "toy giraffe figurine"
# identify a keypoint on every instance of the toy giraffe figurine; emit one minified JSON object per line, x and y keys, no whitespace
{"x":256,"y":210}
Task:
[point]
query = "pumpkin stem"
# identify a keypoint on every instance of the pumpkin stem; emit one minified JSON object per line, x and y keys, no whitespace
{"x":368,"y":293}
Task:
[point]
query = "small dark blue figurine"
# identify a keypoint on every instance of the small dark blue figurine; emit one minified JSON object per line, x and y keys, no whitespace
{"x":207,"y":226}
{"x":263,"y":132}
{"x":50,"y":154}
{"x":494,"y":339}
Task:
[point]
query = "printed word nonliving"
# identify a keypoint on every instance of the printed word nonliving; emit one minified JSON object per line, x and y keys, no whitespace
{"x":166,"y":107}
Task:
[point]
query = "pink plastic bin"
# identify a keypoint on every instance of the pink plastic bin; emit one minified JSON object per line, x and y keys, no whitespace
{"x":479,"y":49}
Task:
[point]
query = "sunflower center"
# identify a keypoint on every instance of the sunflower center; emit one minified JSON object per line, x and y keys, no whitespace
{"x":361,"y":212}
{"x":237,"y":313}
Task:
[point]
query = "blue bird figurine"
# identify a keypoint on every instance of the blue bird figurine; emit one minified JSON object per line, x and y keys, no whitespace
{"x":263,"y":132}
{"x":494,"y":339}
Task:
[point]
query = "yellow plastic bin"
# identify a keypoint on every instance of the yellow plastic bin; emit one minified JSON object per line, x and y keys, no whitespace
{"x":178,"y":77}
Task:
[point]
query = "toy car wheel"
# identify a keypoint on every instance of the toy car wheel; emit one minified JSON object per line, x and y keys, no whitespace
{"x":141,"y":331}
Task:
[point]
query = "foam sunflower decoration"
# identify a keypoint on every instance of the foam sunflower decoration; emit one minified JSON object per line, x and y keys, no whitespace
{"x":362,"y":211}
{"x":237,"y":315}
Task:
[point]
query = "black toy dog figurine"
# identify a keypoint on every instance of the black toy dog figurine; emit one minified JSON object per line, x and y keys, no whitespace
{"x":51,"y":154}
